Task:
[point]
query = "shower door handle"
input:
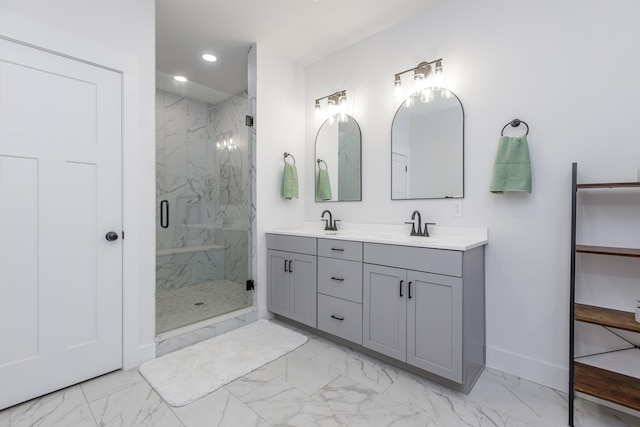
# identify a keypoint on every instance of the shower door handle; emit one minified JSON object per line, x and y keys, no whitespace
{"x":164,"y":214}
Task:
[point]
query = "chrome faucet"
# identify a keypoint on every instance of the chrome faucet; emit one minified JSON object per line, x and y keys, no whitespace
{"x":329,"y":224}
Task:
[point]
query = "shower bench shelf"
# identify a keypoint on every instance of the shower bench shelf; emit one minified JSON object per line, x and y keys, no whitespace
{"x":188,"y":250}
{"x":611,"y":376}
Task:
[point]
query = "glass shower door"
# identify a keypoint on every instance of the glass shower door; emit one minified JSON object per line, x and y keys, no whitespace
{"x":203,"y":200}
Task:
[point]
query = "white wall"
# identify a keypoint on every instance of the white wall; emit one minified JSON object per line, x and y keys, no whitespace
{"x":119,"y":34}
{"x":569,"y":69}
{"x":279,"y":128}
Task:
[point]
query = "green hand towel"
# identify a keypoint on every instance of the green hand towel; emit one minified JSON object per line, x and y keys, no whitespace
{"x":323,"y":185}
{"x":512,"y":167}
{"x":289,"y":181}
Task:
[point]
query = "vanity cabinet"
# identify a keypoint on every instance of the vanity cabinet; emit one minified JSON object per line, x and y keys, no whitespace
{"x":340,"y":288}
{"x":291,"y":274}
{"x":419,"y":308}
{"x":425,"y":307}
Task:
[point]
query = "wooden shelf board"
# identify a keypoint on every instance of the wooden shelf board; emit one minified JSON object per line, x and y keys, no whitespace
{"x":610,"y":185}
{"x":608,"y":250}
{"x":618,"y":319}
{"x":594,"y":375}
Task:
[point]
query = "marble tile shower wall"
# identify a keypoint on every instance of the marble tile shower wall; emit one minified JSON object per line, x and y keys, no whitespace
{"x":206,"y":188}
{"x":234,"y":165}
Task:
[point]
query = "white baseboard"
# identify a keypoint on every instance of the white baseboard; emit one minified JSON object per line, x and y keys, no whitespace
{"x":556,"y":377}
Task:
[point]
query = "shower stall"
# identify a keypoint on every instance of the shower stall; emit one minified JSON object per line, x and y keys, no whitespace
{"x":203,"y":194}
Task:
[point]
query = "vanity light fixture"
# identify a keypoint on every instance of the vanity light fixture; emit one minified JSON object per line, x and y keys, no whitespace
{"x":427,"y":78}
{"x":209,"y":57}
{"x":180,"y":78}
{"x":336,"y":106}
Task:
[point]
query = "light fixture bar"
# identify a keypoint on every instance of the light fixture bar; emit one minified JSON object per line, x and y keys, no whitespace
{"x":420,"y":66}
{"x":334,"y":96}
{"x":336,"y":104}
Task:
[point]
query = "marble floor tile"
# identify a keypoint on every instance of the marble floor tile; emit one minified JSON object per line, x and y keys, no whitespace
{"x":589,"y":414}
{"x":66,"y":407}
{"x":105,"y":385}
{"x":319,"y":384}
{"x":358,"y":366}
{"x":314,"y":346}
{"x":220,"y":409}
{"x":304,"y":374}
{"x":516,"y":402}
{"x":250,"y":382}
{"x":279,"y":403}
{"x":359,"y":405}
{"x":134,"y":406}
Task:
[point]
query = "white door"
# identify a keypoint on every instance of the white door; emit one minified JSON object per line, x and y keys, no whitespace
{"x":60,"y":193}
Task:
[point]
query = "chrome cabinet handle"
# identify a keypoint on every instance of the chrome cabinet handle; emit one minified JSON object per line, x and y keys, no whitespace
{"x":401,"y":282}
{"x":333,"y":316}
{"x":285,"y":266}
{"x":290,"y":266}
{"x":409,"y":287}
{"x":339,"y":279}
{"x":337,"y":249}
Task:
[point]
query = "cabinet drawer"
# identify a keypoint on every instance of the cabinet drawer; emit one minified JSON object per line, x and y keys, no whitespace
{"x":340,"y":318}
{"x":439,"y":261}
{"x":340,"y":249}
{"x":340,"y":278}
{"x":298,"y":244}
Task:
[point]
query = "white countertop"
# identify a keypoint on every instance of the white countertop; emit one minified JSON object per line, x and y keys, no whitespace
{"x":452,"y":238}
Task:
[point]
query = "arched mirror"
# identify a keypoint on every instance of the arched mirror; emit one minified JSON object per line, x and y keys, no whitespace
{"x":427,"y":148}
{"x":338,"y":164}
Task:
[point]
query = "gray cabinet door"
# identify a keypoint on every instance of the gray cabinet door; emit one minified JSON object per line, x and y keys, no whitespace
{"x":303,"y":291}
{"x":434,"y":324}
{"x":384,"y":310}
{"x":278,"y":282}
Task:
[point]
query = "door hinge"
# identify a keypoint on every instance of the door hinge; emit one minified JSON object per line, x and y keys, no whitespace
{"x":250,"y":285}
{"x":248,"y":120}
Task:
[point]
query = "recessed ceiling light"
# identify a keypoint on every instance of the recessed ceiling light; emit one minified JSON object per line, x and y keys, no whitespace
{"x":180,"y":78}
{"x":209,"y":57}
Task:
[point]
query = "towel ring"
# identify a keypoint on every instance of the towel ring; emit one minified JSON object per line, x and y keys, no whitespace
{"x":515,"y":123}
{"x":289,"y":155}
{"x":321,"y":161}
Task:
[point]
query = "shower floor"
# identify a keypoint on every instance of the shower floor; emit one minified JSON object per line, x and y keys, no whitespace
{"x":180,"y":307}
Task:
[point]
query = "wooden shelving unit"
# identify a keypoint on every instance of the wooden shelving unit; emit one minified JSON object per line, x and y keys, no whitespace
{"x":618,"y":319}
{"x":609,"y":185}
{"x":607,"y":250}
{"x":612,"y":376}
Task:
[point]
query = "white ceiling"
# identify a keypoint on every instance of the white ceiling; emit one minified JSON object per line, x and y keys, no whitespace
{"x":300,"y":30}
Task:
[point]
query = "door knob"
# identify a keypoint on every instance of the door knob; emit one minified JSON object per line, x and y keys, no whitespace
{"x":111,"y":236}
